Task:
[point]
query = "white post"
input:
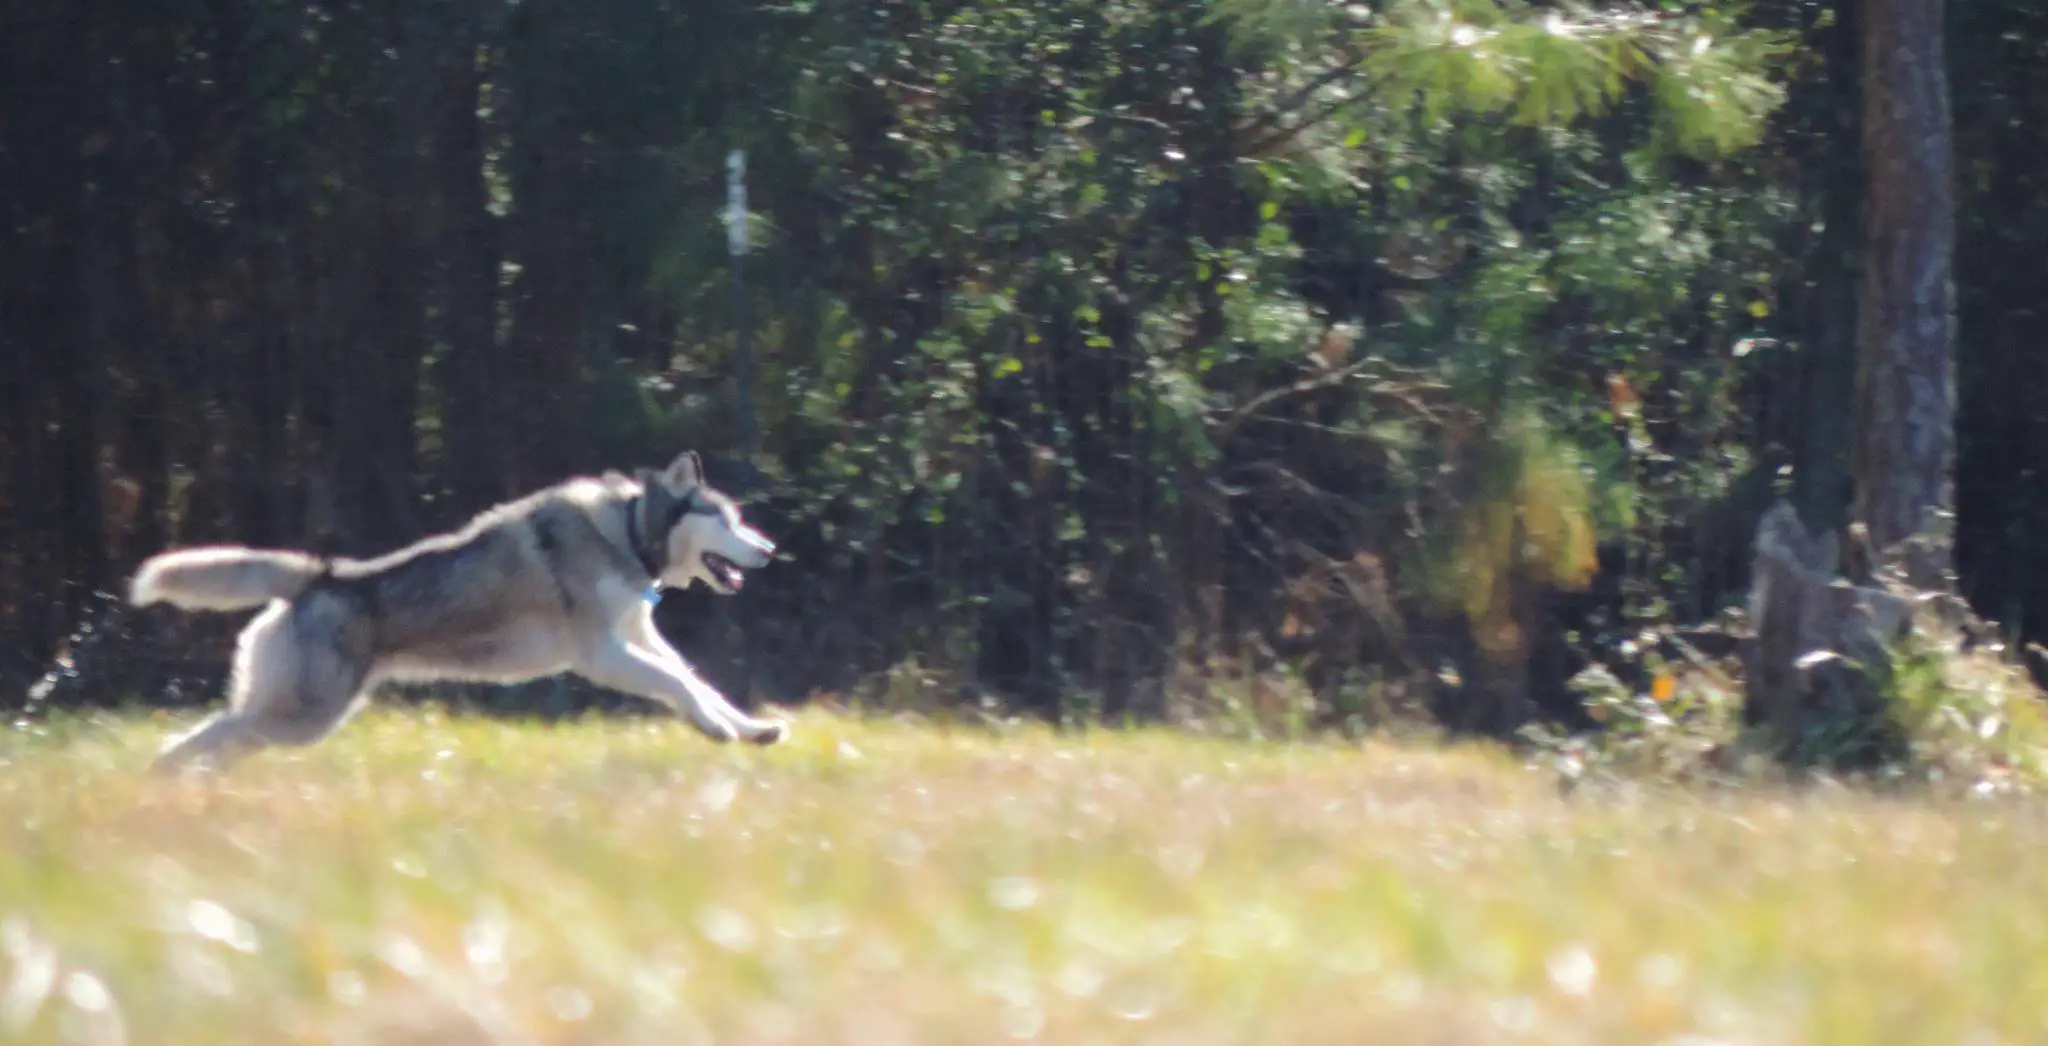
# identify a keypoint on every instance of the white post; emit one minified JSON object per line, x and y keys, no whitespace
{"x":743,"y":351}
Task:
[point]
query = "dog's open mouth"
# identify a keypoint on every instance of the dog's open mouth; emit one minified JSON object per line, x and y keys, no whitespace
{"x":725,"y":570}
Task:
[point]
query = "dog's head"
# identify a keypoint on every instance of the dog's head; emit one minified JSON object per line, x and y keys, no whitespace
{"x":707,"y":539}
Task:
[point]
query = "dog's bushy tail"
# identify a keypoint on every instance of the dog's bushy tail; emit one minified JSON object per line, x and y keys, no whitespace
{"x":222,"y":577}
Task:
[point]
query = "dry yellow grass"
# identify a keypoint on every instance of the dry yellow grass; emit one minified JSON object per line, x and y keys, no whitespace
{"x":426,"y":879}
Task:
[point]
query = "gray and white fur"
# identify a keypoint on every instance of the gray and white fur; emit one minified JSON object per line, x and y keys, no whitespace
{"x":555,"y":581}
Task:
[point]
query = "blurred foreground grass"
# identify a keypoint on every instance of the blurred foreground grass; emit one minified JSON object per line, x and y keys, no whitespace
{"x":428,"y":879}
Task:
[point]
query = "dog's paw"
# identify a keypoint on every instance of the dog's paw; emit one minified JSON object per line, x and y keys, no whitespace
{"x":770,"y":732}
{"x":720,"y":733}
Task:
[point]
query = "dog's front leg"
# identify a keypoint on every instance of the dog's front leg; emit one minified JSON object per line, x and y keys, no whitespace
{"x":632,"y":670}
{"x":759,"y":731}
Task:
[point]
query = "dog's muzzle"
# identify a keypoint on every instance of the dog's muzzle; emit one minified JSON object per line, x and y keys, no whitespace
{"x":728,"y":573}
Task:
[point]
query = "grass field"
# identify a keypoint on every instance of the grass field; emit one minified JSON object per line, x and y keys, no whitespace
{"x":432,"y":879}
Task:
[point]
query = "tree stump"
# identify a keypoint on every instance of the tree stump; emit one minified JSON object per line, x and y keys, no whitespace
{"x":1822,"y":644}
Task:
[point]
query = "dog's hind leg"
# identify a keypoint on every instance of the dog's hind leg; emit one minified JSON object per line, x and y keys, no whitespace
{"x":293,"y":685}
{"x":217,"y":741}
{"x":227,"y":733}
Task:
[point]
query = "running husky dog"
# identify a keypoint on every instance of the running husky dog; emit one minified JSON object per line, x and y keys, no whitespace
{"x":559,"y":580}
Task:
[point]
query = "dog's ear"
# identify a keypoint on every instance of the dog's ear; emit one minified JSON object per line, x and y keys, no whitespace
{"x":685,"y":473}
{"x":654,"y":495}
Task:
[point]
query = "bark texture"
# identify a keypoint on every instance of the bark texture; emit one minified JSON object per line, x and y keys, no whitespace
{"x":1905,"y":388}
{"x":1823,"y":641}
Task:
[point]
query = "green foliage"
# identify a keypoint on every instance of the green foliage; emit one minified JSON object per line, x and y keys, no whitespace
{"x":1086,"y":264}
{"x":1945,"y":718}
{"x":1528,"y":523}
{"x":1948,"y":717}
{"x":1083,"y":332}
{"x":1684,"y":727}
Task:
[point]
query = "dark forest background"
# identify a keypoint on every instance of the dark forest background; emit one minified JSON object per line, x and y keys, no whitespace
{"x":1101,"y":355}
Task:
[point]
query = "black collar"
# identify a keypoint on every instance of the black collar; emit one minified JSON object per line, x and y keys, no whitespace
{"x":652,"y":558}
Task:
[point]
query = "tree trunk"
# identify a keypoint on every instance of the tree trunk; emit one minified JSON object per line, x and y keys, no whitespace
{"x":1905,"y":388}
{"x":1904,"y":442}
